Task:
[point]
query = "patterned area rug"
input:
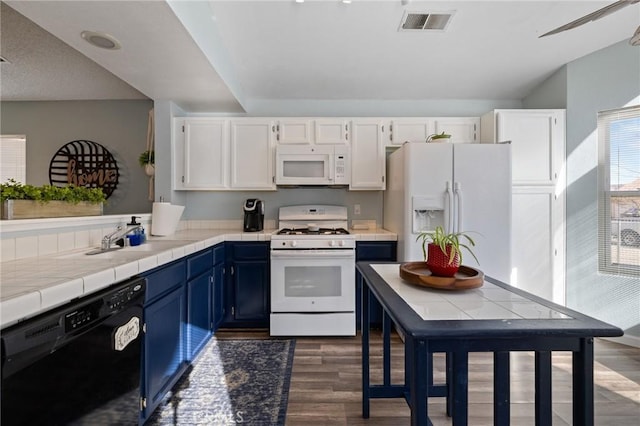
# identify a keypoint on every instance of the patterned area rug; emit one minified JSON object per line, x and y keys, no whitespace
{"x":232,"y":382}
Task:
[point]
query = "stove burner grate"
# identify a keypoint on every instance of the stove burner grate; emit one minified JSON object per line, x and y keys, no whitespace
{"x":306,"y":231}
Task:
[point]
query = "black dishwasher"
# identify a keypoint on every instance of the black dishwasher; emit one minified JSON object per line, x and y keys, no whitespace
{"x":79,"y":364}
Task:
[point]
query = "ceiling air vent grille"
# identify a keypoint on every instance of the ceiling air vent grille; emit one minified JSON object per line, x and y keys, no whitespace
{"x":432,"y":21}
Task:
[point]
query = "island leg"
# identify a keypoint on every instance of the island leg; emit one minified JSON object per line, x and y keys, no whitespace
{"x":583,"y":410}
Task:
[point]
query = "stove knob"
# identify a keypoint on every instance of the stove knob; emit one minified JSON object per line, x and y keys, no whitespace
{"x":293,"y":243}
{"x":341,"y":243}
{"x":333,"y":243}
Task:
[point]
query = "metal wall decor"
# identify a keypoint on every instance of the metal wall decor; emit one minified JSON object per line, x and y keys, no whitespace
{"x":84,"y":163}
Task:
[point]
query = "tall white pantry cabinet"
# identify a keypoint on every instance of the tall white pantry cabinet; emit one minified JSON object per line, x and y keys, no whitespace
{"x":537,"y":140}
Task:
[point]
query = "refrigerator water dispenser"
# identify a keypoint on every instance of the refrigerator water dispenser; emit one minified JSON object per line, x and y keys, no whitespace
{"x":427,"y":213}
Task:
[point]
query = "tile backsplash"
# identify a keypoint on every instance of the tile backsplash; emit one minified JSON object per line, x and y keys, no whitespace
{"x":33,"y":237}
{"x":27,"y":238}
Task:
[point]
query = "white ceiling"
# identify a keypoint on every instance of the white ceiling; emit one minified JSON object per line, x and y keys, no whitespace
{"x":224,"y":56}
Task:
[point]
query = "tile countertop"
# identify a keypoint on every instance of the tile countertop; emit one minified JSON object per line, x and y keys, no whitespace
{"x":34,"y":285}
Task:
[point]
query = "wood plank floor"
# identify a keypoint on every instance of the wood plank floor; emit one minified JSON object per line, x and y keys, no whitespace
{"x":326,"y":385}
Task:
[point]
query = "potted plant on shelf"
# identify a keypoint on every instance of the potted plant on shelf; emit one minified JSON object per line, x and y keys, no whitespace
{"x":146,"y":160}
{"x":443,"y":251}
{"x":439,"y":137}
{"x":20,"y":201}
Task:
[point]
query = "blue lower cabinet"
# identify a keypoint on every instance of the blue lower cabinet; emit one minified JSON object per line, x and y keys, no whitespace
{"x":199,"y":301}
{"x":372,"y":251}
{"x":217,"y":294}
{"x":247,"y":287}
{"x":199,"y":313}
{"x":184,"y":304}
{"x":163,"y":355}
{"x":250,"y":285}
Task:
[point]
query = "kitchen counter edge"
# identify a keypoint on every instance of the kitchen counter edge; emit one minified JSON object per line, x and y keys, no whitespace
{"x":17,"y":305}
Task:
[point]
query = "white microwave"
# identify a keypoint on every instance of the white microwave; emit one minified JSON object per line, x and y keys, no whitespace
{"x":312,"y":165}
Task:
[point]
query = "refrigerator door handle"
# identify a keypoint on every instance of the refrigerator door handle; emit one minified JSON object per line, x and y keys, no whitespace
{"x":458,"y":194}
{"x":448,"y":206}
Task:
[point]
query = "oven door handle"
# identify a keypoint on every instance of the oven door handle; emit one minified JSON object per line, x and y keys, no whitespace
{"x":325,"y":254}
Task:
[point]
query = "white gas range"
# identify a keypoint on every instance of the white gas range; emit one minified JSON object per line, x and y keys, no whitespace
{"x":313,"y":273}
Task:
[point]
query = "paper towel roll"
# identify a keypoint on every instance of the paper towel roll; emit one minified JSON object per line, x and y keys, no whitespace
{"x":165,"y":218}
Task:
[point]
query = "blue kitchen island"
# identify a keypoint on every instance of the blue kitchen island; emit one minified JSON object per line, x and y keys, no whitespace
{"x":493,"y":318}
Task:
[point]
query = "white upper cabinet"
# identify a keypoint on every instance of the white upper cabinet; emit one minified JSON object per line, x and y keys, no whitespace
{"x":367,"y":155}
{"x":404,"y":130}
{"x":461,"y":129}
{"x":238,"y":153}
{"x":294,"y":131}
{"x":537,"y":142}
{"x":331,"y":131}
{"x":252,"y":154}
{"x":201,"y":154}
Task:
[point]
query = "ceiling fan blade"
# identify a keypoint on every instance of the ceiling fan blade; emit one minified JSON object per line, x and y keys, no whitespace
{"x":592,"y":16}
{"x":635,"y":39}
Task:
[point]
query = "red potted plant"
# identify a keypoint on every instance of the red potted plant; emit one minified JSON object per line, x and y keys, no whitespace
{"x":443,"y":251}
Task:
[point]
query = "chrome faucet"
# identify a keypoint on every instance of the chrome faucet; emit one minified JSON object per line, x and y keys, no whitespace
{"x":120,"y":232}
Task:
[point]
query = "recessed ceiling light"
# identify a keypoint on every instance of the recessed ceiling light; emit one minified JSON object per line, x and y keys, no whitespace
{"x":102,"y":40}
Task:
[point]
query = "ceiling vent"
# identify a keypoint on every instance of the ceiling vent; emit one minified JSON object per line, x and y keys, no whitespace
{"x":425,"y":21}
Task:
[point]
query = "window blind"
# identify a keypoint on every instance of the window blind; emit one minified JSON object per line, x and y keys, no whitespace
{"x":13,"y":160}
{"x":619,"y":191}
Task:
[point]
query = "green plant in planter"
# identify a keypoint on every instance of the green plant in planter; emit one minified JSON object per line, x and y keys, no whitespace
{"x":450,"y":243}
{"x":437,"y":136}
{"x":147,"y":157}
{"x":13,"y":190}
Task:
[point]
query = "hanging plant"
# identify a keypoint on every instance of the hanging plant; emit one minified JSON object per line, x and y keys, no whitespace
{"x":146,"y":157}
{"x":147,"y":162}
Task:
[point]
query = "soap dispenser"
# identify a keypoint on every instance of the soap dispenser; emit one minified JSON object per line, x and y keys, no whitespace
{"x":138,"y":237}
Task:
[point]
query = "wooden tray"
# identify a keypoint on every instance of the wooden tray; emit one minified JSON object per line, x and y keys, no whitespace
{"x":418,"y":273}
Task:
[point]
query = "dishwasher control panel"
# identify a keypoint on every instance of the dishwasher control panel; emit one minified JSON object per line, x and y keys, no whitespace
{"x":103,"y":306}
{"x":116,"y":301}
{"x":82,"y":316}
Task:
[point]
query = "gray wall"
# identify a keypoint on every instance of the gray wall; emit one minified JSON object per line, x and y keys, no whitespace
{"x":120,"y":126}
{"x":551,"y":93}
{"x":607,"y":79}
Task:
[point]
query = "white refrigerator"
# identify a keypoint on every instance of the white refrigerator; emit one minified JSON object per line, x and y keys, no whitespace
{"x":462,"y":187}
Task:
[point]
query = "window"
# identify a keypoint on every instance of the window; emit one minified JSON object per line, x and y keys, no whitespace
{"x":13,"y":158}
{"x":619,"y":193}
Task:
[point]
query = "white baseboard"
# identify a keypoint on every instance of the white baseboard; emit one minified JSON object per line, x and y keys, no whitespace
{"x":625,"y":340}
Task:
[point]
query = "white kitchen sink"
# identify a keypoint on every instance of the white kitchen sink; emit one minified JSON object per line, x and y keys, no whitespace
{"x":129,"y":252}
{"x":153,"y":246}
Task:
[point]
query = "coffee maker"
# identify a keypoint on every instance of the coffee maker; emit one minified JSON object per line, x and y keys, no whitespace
{"x":253,"y":215}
